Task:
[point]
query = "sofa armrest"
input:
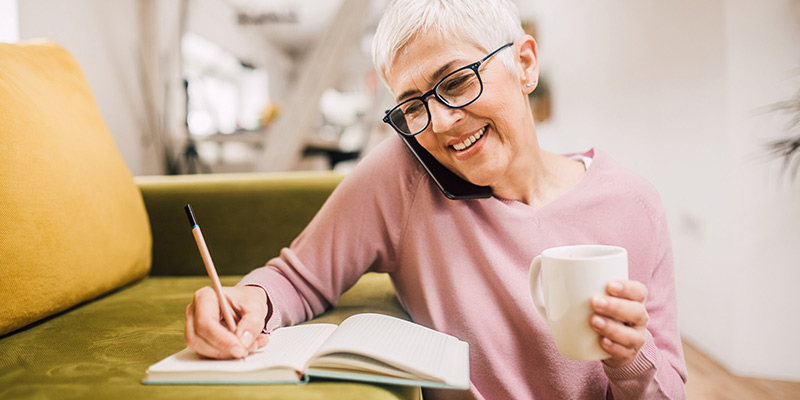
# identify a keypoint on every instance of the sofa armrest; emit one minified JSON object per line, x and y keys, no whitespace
{"x":246,"y":218}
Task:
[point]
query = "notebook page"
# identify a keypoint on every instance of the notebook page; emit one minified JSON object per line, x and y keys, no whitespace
{"x":415,"y":348}
{"x":288,"y":347}
{"x":359,"y":364}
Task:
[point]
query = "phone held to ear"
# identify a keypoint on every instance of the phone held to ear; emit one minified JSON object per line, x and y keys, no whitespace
{"x":453,"y":186}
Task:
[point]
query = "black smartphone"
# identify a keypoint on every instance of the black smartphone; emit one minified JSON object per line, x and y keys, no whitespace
{"x":453,"y":186}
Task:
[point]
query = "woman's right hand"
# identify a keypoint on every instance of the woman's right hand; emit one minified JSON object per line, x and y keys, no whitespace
{"x":208,"y":336}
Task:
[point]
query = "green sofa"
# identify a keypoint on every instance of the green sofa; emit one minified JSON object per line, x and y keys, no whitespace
{"x":96,"y":267}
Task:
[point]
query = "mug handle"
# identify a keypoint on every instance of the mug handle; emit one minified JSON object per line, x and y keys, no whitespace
{"x":535,"y":281}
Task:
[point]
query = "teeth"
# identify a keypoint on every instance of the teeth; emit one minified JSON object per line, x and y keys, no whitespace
{"x":469,"y":141}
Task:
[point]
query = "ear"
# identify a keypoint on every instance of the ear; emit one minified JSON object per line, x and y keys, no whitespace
{"x":528,"y":63}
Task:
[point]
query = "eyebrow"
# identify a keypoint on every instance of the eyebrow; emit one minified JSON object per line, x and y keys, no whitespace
{"x":435,"y":78}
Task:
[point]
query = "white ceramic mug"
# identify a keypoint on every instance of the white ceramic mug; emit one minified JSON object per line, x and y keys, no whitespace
{"x":562,"y":281}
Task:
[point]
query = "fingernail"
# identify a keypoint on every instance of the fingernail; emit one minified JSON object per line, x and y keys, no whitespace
{"x":246,"y":339}
{"x":615,"y":286}
{"x":600,"y":302}
{"x":238,"y":352}
{"x":598,"y":322}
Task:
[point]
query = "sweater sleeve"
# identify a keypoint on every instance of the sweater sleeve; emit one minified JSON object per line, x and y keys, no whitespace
{"x":658,"y":371}
{"x":355,"y":231}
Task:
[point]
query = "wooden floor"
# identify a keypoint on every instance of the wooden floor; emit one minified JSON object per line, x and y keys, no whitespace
{"x":710,"y":381}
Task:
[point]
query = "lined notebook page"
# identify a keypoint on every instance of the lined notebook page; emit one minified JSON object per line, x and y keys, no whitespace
{"x":288,"y":347}
{"x":418,"y":349}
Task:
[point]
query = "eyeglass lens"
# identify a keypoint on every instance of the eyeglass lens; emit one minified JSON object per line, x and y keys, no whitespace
{"x":457,"y":89}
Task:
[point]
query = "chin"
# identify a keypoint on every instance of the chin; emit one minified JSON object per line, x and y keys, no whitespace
{"x":483,"y":170}
{"x":479,"y":179}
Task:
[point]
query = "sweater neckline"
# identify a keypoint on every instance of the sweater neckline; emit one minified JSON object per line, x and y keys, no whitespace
{"x":585,"y":179}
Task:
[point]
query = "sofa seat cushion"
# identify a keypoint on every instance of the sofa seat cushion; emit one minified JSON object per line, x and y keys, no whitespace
{"x":72,"y":221}
{"x":102,"y":349}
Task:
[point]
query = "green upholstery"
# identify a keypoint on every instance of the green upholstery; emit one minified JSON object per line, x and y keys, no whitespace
{"x":279,"y":205}
{"x":102,"y":349}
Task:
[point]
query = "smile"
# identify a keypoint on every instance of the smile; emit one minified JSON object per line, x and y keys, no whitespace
{"x":468,"y":142}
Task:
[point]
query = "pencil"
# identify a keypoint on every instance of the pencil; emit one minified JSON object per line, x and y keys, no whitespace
{"x":227,"y":312}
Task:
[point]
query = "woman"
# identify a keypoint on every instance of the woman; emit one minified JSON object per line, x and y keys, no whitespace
{"x":460,"y":266}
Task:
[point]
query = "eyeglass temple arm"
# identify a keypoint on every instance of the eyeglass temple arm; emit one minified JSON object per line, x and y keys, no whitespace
{"x":498,"y":49}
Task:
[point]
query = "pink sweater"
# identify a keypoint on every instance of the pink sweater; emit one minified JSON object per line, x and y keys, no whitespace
{"x":461,"y":267}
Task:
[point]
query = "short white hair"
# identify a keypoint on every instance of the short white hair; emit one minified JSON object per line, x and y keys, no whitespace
{"x":487,"y":24}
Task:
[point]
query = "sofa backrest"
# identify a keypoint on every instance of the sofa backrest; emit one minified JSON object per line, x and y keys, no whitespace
{"x":72,"y":222}
{"x":246,"y":218}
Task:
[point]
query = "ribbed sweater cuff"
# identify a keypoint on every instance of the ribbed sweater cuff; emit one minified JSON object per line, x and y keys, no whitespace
{"x":641,"y":364}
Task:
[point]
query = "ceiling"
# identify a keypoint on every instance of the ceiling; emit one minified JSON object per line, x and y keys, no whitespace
{"x":294,"y":25}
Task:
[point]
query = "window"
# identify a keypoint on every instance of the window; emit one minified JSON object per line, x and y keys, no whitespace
{"x":224,"y":95}
{"x":9,"y":21}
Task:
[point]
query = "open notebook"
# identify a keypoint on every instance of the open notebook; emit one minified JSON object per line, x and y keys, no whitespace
{"x":364,"y":347}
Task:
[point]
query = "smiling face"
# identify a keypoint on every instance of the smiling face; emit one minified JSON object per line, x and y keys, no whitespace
{"x":486,"y":141}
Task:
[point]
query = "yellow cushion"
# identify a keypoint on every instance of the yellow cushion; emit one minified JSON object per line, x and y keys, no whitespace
{"x":72,"y":223}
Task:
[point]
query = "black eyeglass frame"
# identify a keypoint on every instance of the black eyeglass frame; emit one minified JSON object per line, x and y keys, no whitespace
{"x":434,"y":92}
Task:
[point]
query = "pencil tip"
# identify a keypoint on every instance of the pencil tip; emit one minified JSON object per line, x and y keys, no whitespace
{"x":190,"y":215}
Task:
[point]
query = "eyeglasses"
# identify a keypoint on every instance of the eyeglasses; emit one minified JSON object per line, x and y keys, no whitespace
{"x":457,"y":89}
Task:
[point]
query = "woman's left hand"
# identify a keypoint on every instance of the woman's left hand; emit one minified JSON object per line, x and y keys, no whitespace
{"x":621,"y":320}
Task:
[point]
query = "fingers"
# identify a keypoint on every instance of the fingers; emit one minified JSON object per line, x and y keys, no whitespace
{"x":620,"y":334}
{"x":251,"y":312}
{"x":627,"y":289}
{"x":262,"y":340}
{"x":628,"y":312}
{"x":621,"y":342}
{"x":205,"y":334}
{"x":620,"y":355}
{"x":621,"y":320}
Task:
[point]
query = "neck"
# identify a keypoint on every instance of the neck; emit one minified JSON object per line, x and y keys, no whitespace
{"x":538,"y":177}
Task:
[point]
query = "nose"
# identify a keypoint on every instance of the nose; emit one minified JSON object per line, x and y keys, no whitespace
{"x":442,"y":116}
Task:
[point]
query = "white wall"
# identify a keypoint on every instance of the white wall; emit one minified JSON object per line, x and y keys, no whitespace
{"x":763,"y":58}
{"x":102,"y":35}
{"x":675,"y":90}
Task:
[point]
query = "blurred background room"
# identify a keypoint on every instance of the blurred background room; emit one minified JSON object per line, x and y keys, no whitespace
{"x":700,"y":97}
